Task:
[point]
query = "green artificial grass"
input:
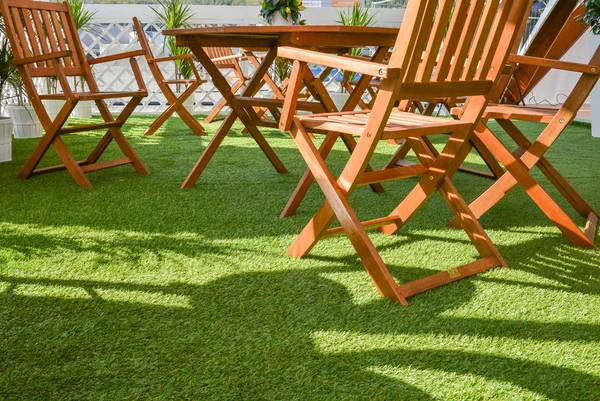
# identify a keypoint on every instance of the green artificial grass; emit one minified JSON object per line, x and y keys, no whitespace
{"x":137,"y":290}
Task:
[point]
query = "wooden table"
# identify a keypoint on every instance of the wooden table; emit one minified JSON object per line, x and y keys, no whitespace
{"x":330,"y":38}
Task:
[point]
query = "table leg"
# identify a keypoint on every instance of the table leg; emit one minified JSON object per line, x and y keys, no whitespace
{"x":236,"y":112}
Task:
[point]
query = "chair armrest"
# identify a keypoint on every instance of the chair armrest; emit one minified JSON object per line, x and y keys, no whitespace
{"x":556,"y":64}
{"x":170,"y":58}
{"x":137,"y":73}
{"x":115,"y":57}
{"x":344,"y":63}
{"x":43,"y":57}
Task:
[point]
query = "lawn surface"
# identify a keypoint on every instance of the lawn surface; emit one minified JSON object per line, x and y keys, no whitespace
{"x":137,"y":290}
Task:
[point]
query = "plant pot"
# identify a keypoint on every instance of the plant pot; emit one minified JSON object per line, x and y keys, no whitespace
{"x":53,"y":107}
{"x":339,"y":99}
{"x":82,"y":110}
{"x":6,"y":127}
{"x":593,"y":43}
{"x":188,"y":104}
{"x":25,"y":121}
{"x":278,"y":20}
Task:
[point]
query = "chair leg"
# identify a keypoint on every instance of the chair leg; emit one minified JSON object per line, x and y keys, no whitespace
{"x":70,"y":163}
{"x":553,"y":175}
{"x":518,"y":173}
{"x":177,"y":106}
{"x":307,"y":178}
{"x":440,"y":165}
{"x":50,"y":135}
{"x":212,"y":116}
{"x":118,"y":136}
{"x":337,"y":204}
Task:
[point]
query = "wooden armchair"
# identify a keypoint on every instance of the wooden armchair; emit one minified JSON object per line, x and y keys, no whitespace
{"x":45,"y":43}
{"x":175,"y":103}
{"x":470,"y":37}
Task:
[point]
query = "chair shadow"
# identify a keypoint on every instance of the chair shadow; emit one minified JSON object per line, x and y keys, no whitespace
{"x":250,"y":336}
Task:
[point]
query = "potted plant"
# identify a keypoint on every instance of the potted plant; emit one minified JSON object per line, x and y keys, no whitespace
{"x":355,"y":16}
{"x":7,"y":70}
{"x":592,"y":18}
{"x":282,"y":12}
{"x":174,"y":14}
{"x":52,"y":106}
{"x":82,"y":18}
{"x":25,"y":121}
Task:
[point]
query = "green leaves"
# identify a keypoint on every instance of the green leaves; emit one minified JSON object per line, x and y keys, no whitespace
{"x":173,"y":14}
{"x":81,"y":16}
{"x":285,"y":7}
{"x":357,"y":16}
{"x":592,"y":15}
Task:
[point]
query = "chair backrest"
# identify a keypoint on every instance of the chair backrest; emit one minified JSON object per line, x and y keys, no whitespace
{"x":145,"y":45}
{"x":217,"y":52}
{"x":36,"y":28}
{"x":456,"y":41}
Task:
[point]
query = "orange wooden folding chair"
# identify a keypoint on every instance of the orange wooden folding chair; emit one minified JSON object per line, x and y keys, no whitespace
{"x":45,"y":44}
{"x":470,"y":36}
{"x":175,"y":103}
{"x":531,"y":154}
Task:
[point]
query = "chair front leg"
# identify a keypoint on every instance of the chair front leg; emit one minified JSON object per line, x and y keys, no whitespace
{"x":337,"y":204}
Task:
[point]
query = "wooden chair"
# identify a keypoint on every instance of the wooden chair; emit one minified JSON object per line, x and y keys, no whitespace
{"x":45,"y":44}
{"x":175,"y":103}
{"x":531,"y":154}
{"x":473,"y":43}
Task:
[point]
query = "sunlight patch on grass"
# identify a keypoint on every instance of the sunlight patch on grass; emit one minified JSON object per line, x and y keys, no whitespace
{"x":145,"y":297}
{"x":453,"y":385}
{"x":51,"y":291}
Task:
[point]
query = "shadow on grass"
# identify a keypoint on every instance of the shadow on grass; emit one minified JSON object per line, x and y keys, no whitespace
{"x":250,"y":336}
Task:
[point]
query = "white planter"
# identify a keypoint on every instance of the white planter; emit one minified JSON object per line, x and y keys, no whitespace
{"x":594,"y":42}
{"x":6,"y":128}
{"x":278,"y":20}
{"x":188,"y":104}
{"x":25,"y":121}
{"x":82,"y":110}
{"x":339,"y":99}
{"x":53,"y":107}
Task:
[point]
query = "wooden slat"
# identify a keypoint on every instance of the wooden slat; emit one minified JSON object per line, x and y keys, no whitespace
{"x":58,"y":31}
{"x":268,"y":102}
{"x":106,"y":164}
{"x":367,"y":225}
{"x":448,"y":276}
{"x":88,"y":127}
{"x":391,"y":174}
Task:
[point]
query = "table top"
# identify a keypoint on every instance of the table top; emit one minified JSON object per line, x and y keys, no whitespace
{"x":288,"y":35}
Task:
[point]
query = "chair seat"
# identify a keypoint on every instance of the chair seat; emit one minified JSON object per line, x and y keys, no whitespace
{"x":514,"y":112}
{"x":399,"y":125}
{"x":108,"y":95}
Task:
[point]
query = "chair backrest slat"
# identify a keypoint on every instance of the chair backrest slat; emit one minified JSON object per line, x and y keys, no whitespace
{"x":60,"y":36}
{"x":452,"y":39}
{"x":481,"y":38}
{"x":217,"y":52}
{"x":435,"y":41}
